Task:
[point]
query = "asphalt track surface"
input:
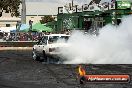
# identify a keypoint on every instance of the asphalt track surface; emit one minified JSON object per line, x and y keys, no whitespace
{"x":18,"y":70}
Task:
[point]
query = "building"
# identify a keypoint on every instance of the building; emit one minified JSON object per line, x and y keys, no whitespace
{"x":36,"y":10}
{"x":32,"y":13}
{"x":36,"y":18}
{"x":7,"y":21}
{"x":91,"y":17}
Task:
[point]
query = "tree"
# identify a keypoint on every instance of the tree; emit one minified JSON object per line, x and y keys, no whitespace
{"x":10,"y":6}
{"x":47,"y":19}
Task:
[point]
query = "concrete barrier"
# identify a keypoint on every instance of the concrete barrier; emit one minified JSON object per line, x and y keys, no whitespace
{"x":15,"y":48}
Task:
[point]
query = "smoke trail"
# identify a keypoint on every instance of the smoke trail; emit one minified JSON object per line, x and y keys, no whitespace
{"x":112,"y":46}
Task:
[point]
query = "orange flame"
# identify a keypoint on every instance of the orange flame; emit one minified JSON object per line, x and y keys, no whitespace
{"x":82,"y":72}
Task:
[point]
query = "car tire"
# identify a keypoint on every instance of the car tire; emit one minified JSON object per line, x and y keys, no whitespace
{"x":35,"y":56}
{"x":44,"y":56}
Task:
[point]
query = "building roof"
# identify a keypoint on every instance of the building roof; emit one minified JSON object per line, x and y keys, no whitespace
{"x":10,"y":19}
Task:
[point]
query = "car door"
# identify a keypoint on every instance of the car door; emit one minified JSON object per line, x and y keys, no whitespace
{"x":42,"y":45}
{"x":37,"y":47}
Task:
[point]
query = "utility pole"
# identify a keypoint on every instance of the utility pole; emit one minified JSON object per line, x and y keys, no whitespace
{"x":72,"y":4}
{"x":23,"y":12}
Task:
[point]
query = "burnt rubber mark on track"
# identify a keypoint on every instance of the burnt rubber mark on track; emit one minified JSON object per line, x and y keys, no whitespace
{"x":58,"y":79}
{"x":7,"y":86}
{"x":4,"y":59}
{"x":20,"y":54}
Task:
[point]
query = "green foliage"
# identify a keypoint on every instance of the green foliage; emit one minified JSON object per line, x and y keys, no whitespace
{"x":11,"y":6}
{"x":46,"y":19}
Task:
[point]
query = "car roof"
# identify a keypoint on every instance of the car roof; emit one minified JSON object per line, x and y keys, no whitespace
{"x":57,"y":35}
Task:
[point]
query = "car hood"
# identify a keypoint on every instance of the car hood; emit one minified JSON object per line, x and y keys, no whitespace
{"x":59,"y":45}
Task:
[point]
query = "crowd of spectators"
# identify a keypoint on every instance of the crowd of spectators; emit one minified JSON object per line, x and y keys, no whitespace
{"x":33,"y":36}
{"x":24,"y":36}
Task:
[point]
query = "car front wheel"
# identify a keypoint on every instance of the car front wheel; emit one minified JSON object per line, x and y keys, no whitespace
{"x":44,"y":56}
{"x":35,"y":56}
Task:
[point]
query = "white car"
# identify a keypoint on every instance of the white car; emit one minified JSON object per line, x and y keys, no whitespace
{"x":49,"y":46}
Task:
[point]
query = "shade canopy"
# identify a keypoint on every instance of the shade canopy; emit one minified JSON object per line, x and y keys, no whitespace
{"x":24,"y":26}
{"x":25,"y":30}
{"x":40,"y":28}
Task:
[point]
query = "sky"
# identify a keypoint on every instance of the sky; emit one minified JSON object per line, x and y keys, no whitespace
{"x":50,"y":7}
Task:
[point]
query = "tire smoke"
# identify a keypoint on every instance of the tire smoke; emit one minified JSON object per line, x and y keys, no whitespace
{"x":112,"y":46}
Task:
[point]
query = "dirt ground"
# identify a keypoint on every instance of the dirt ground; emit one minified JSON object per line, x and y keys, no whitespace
{"x":18,"y":70}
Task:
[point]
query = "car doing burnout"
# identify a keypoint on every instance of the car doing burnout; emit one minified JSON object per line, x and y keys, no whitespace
{"x":49,"y":46}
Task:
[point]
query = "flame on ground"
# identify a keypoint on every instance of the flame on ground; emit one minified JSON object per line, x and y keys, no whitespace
{"x":82,"y":72}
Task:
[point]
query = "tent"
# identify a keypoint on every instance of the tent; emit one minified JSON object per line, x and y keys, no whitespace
{"x":13,"y":30}
{"x":24,"y":28}
{"x":39,"y":28}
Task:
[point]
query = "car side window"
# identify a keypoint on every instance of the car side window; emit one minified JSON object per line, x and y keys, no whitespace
{"x":44,"y":40}
{"x":39,"y":42}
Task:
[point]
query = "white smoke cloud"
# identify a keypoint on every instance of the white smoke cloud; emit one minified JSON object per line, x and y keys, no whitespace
{"x":112,"y":46}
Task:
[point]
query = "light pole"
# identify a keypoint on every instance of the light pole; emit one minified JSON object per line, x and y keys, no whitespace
{"x":0,"y":12}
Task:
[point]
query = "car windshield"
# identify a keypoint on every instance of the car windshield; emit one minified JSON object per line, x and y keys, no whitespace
{"x":53,"y":39}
